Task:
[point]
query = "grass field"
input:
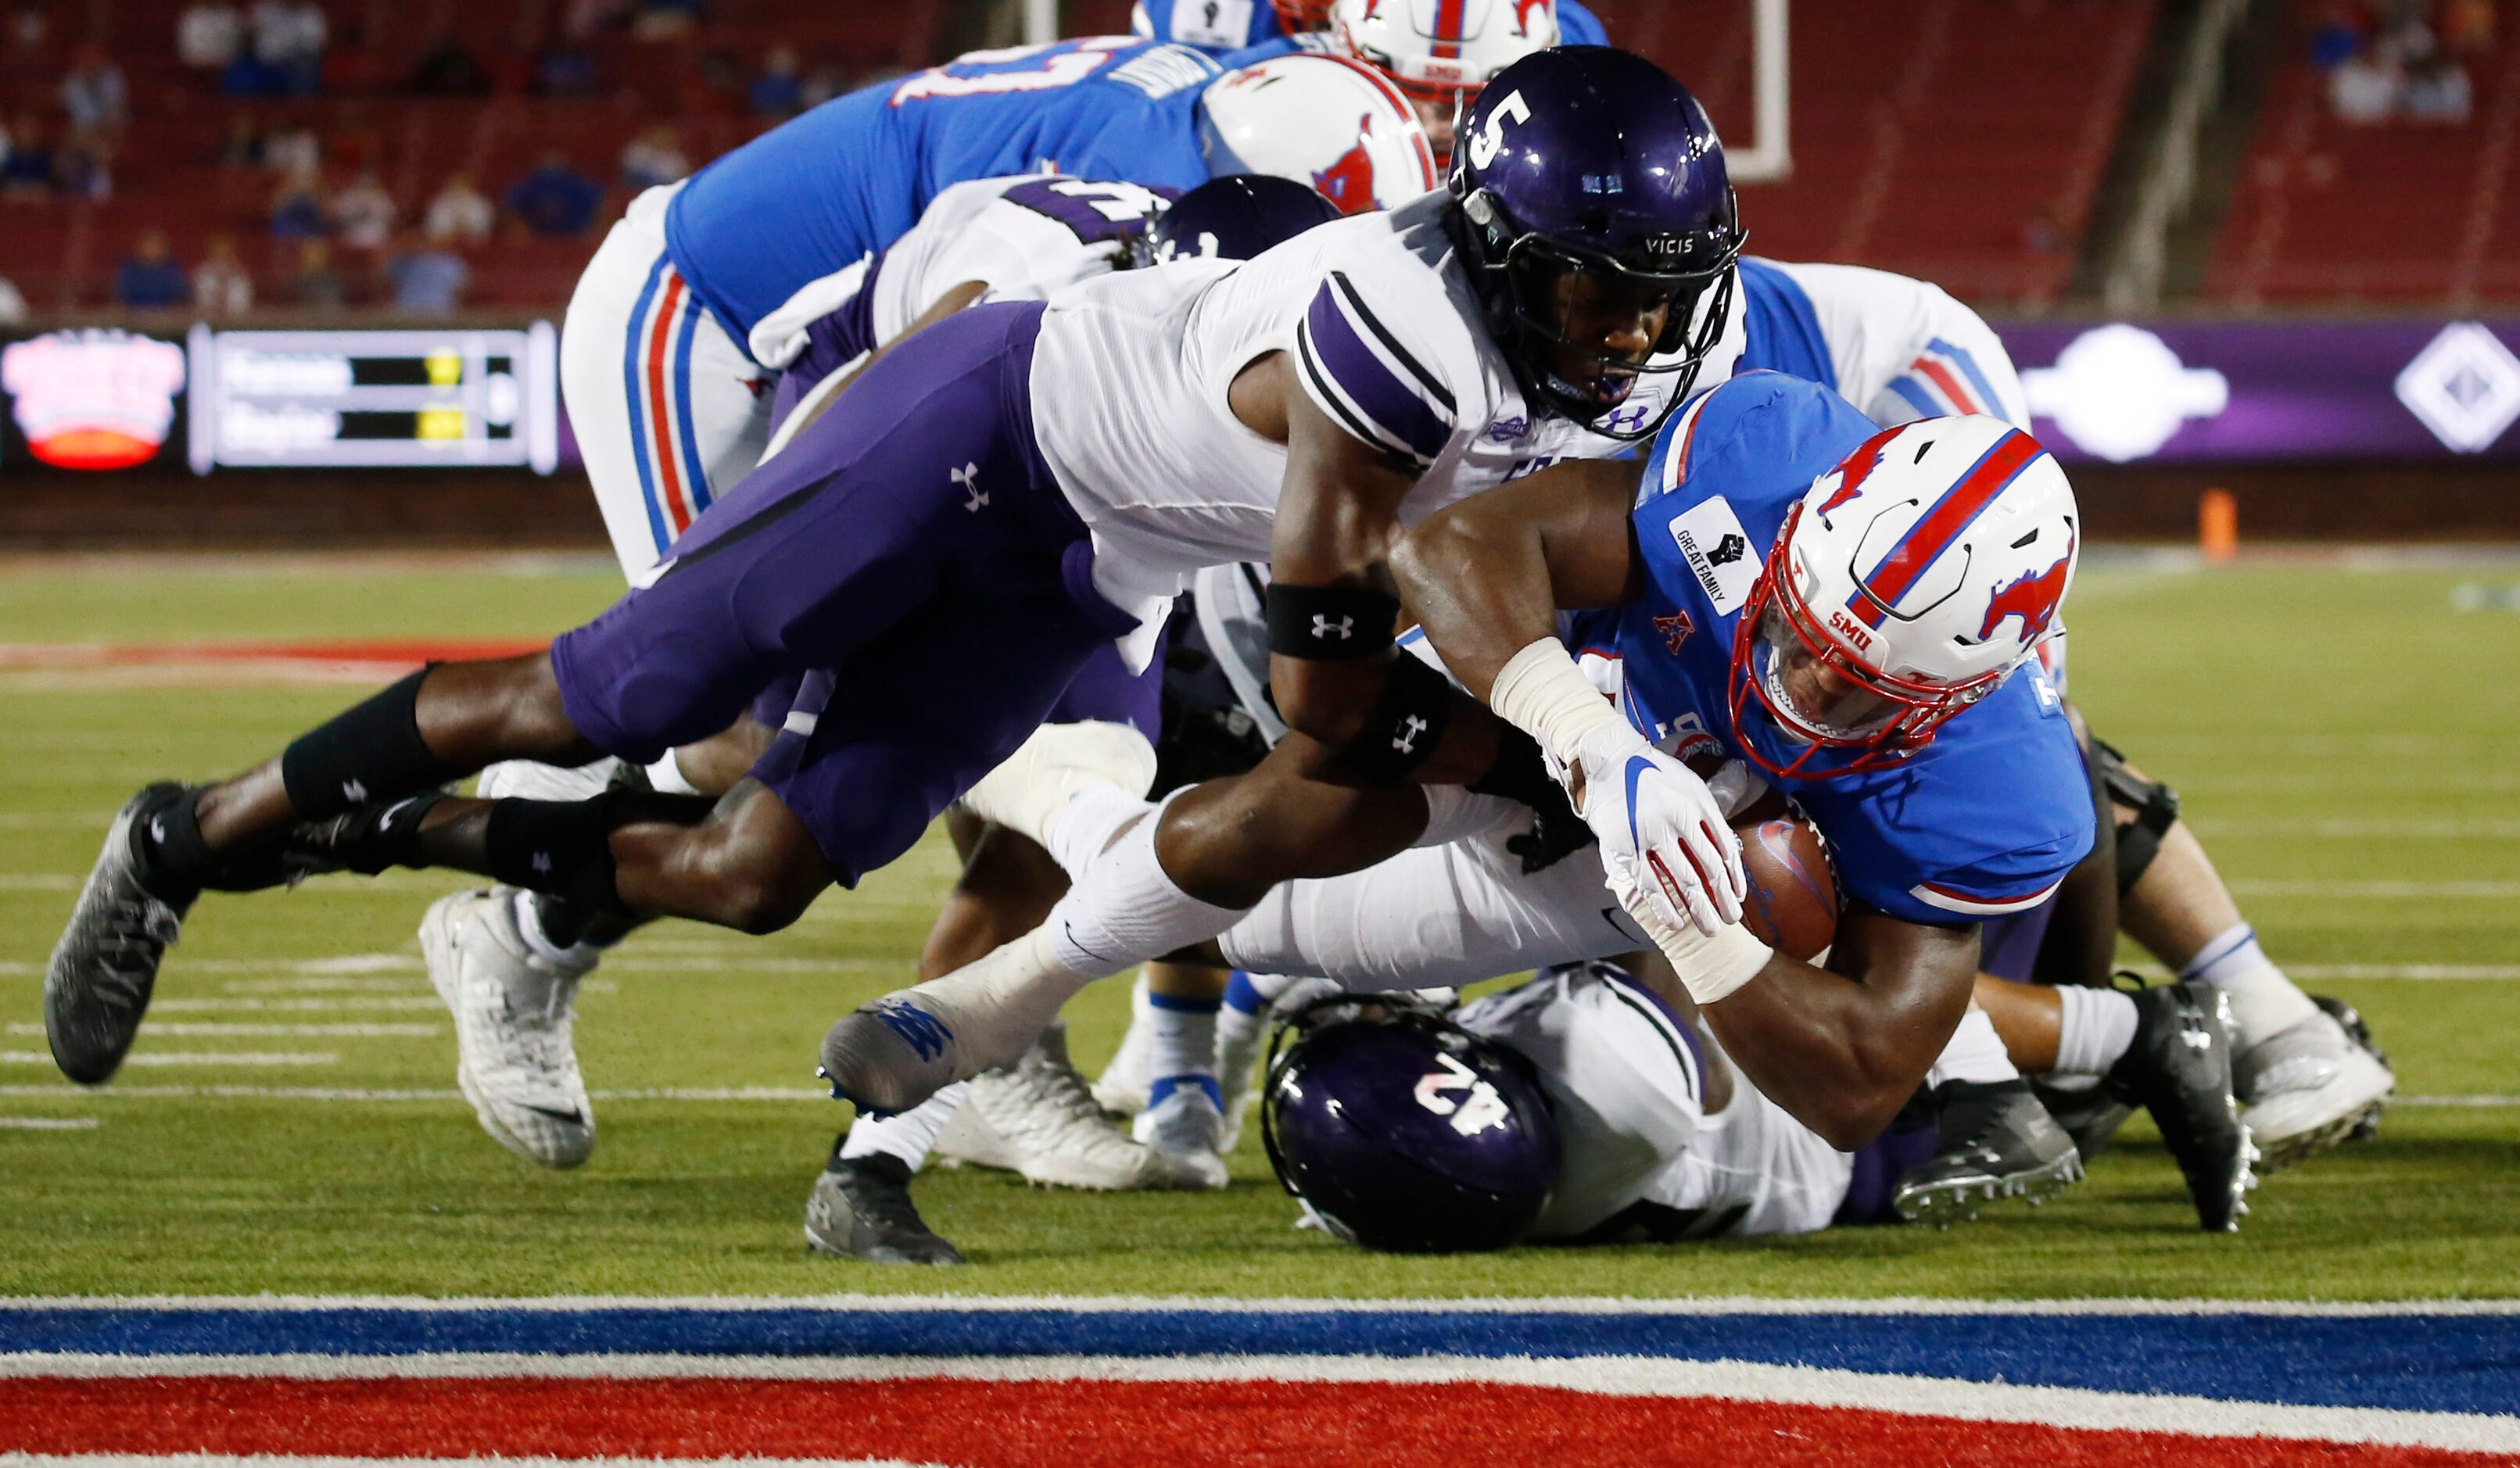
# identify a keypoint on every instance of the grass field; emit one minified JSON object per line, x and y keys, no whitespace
{"x":2342,"y":737}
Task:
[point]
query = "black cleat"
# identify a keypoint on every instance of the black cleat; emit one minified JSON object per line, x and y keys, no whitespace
{"x":105,"y":965}
{"x":861,"y":1209}
{"x":2088,"y":1114}
{"x":1996,"y":1142}
{"x":2179,"y":1069}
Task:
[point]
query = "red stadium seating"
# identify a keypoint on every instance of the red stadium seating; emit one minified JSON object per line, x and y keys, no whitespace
{"x":2398,"y":213}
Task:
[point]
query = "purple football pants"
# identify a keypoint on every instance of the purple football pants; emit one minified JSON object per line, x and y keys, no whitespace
{"x":908,"y":564}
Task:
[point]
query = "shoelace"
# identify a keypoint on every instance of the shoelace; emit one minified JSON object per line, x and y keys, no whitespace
{"x":140,"y":926}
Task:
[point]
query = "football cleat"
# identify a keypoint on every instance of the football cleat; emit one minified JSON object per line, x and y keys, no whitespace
{"x":105,"y":967}
{"x":861,"y":1209}
{"x":512,"y":1018}
{"x":1186,"y":1130}
{"x":2179,"y":1068}
{"x":1037,"y":1118}
{"x":2308,"y":1088}
{"x":1996,"y":1142}
{"x":2357,"y":1030}
{"x":2088,"y":1112}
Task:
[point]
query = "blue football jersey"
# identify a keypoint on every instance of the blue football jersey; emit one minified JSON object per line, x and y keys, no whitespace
{"x":1983,"y":821}
{"x":816,"y":194}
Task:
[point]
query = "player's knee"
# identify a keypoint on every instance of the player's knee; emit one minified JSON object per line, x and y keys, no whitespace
{"x":2146,"y":810}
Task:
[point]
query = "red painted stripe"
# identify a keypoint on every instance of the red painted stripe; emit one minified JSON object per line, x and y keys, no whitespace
{"x":660,"y":414}
{"x":1074,"y":1423}
{"x":1448,"y":24}
{"x":1930,"y":536}
{"x":1080,"y":1423}
{"x":1953,"y":391}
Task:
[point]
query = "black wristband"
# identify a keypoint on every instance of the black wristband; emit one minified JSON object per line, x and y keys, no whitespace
{"x":1407,"y":722}
{"x":1330,"y":623}
{"x":1521,"y":772}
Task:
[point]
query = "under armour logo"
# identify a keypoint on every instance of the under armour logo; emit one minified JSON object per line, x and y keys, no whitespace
{"x":1729,"y":549}
{"x":1406,"y":741}
{"x":542,"y":863}
{"x":1323,"y":627}
{"x":967,"y":478}
{"x":354,"y":792}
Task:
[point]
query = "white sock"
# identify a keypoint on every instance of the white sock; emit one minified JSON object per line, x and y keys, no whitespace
{"x":1083,"y":826}
{"x":1124,"y":910}
{"x":1241,"y":1024}
{"x":1975,"y":1052}
{"x":578,"y":957}
{"x":1183,"y":1046}
{"x":2263,"y":1001}
{"x":909,"y":1136}
{"x":665,"y":777}
{"x":2095,"y":1028}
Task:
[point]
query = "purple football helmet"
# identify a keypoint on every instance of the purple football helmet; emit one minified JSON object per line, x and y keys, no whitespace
{"x":1235,"y":217}
{"x":1588,"y":161}
{"x":1405,"y":1132}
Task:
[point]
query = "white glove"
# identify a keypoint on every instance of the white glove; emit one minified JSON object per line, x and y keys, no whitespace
{"x":1662,"y":833}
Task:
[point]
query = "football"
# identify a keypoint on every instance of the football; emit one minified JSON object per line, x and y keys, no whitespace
{"x":1792,"y":906}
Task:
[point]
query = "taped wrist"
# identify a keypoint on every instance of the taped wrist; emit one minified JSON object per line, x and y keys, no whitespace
{"x":1330,"y":623}
{"x":1713,"y":965}
{"x":1541,"y":691}
{"x":1407,"y":722}
{"x":562,"y":847}
{"x":370,"y":751}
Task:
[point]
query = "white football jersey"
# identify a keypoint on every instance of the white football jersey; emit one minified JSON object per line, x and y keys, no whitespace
{"x":1131,"y":374}
{"x":1022,"y":237}
{"x":1898,"y":348}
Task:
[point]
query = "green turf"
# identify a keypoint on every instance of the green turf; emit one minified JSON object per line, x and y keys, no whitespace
{"x":2331,"y":729}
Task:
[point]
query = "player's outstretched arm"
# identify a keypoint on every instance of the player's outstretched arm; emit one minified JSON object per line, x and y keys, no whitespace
{"x":1487,"y":576}
{"x":1844,"y":1048}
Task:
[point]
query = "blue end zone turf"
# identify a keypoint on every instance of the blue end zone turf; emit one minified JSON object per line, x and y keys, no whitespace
{"x":2415,"y":1359}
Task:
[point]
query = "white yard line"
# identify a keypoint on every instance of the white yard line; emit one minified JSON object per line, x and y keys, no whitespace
{"x":2347,"y":829}
{"x":2394,"y":891}
{"x":48,"y":1124}
{"x":214,"y":1031}
{"x":190,"y":1058}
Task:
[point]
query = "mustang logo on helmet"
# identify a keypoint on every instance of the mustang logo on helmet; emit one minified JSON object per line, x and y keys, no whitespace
{"x":1349,"y":181}
{"x":2033,"y":598}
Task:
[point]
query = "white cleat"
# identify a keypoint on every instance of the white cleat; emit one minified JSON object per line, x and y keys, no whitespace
{"x":1121,"y":1089}
{"x":513,"y":1015}
{"x":2306,"y":1089}
{"x":1039,"y":1120}
{"x":1187,"y":1131}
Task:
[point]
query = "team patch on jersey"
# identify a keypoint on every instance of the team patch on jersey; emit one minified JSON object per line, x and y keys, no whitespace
{"x":1223,"y":23}
{"x":1719,"y":553}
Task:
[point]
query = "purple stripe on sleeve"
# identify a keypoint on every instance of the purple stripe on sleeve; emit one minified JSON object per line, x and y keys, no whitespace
{"x":1345,"y":370}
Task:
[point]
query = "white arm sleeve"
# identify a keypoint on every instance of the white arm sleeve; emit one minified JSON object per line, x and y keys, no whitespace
{"x":1904,"y":349}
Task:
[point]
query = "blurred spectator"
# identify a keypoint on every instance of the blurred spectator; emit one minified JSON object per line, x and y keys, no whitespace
{"x":563,"y":70}
{"x":2362,"y":89}
{"x":776,"y":92}
{"x":93,"y":93}
{"x":28,"y":171}
{"x":655,"y":156}
{"x":84,"y":168}
{"x":447,"y":69}
{"x":2467,"y":26}
{"x":316,"y":283}
{"x":293,"y":150}
{"x":426,"y":278}
{"x":555,"y":200}
{"x":221,"y":286}
{"x":13,"y":305}
{"x":715,"y":87}
{"x":148,"y":278}
{"x":2437,"y":91}
{"x":826,"y":83}
{"x":208,"y":34}
{"x":363,"y":214}
{"x":241,"y":146}
{"x":586,"y":17}
{"x":289,"y":38}
{"x":298,"y":210}
{"x":460,"y":214}
{"x":665,"y":19}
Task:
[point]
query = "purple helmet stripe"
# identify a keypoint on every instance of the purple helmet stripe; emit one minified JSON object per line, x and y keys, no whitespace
{"x":1345,"y":373}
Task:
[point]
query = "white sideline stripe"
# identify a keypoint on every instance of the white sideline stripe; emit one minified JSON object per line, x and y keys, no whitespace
{"x":1690,"y":1306}
{"x":291,"y":1460}
{"x":2434,"y":973}
{"x":294,"y":1006}
{"x":1601,"y":1375}
{"x":236,"y":1031}
{"x":684,"y":1094}
{"x":2347,"y":828}
{"x":48,"y":1124}
{"x":2392,"y":890}
{"x":194,"y":1057}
